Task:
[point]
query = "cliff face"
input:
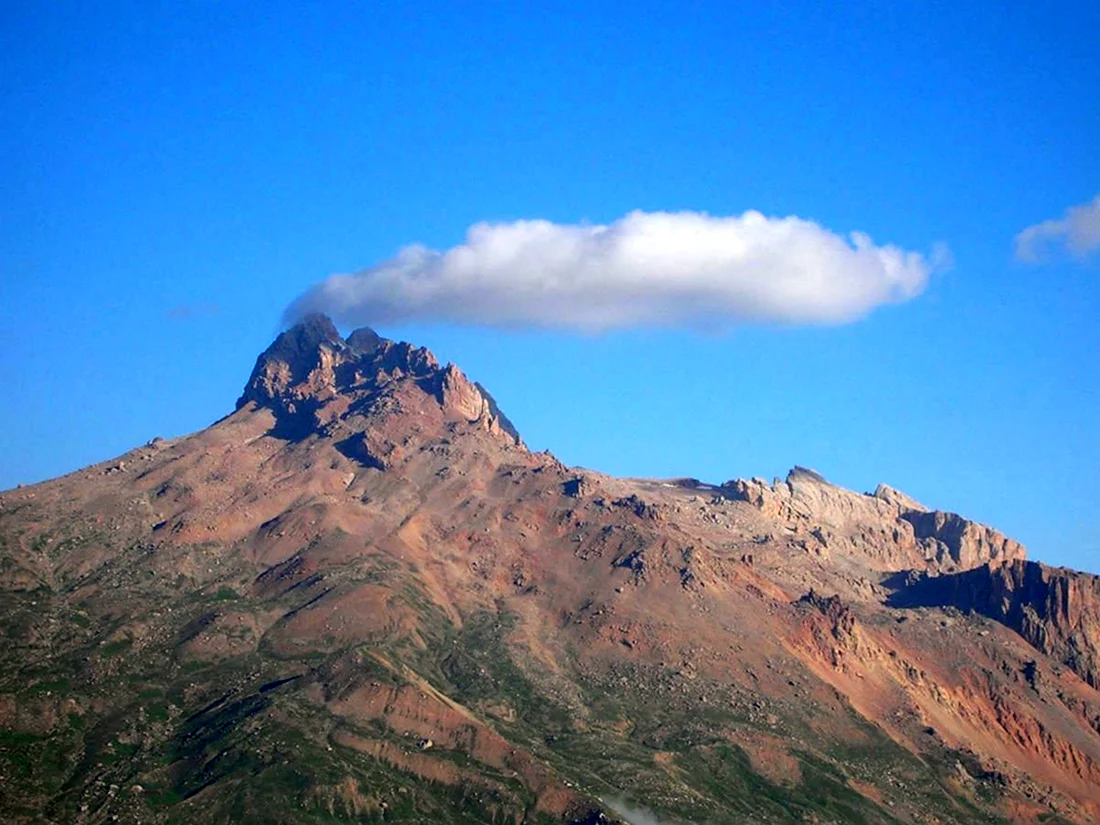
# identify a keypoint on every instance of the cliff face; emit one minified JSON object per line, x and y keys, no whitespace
{"x":1056,"y":610}
{"x":359,"y":597}
{"x":952,"y":539}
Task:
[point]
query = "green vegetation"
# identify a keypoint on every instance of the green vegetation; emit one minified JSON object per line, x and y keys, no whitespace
{"x":115,"y":648}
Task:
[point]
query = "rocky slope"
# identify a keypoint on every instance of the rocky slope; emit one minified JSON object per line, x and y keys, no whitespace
{"x":1057,"y":610}
{"x":360,"y":597}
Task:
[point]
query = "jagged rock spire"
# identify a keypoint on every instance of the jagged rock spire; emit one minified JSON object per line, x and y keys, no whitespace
{"x":310,"y":377}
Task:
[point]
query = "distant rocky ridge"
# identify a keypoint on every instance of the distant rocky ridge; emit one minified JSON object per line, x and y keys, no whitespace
{"x":890,"y":527}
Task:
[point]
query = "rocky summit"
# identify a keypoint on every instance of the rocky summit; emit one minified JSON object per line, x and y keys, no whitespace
{"x":359,"y":597}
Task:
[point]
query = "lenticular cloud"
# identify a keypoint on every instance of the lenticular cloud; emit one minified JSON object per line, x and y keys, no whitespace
{"x":683,"y":269}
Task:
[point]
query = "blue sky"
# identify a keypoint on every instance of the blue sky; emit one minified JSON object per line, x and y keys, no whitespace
{"x":176,"y":174}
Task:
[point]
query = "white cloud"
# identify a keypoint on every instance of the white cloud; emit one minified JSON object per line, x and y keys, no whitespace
{"x":681,"y":269}
{"x":1078,"y":232}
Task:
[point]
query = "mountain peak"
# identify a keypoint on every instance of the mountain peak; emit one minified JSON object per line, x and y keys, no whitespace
{"x":799,"y":473}
{"x":315,"y":329}
{"x":315,"y":381}
{"x":305,"y":336}
{"x":365,"y":340}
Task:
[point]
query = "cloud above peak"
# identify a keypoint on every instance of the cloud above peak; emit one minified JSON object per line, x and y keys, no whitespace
{"x":646,"y":269}
{"x":1076,"y":232}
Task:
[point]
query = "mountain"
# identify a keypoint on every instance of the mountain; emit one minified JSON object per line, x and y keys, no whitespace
{"x":360,"y":597}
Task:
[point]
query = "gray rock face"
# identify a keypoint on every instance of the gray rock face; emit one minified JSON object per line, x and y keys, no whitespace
{"x":365,"y":340}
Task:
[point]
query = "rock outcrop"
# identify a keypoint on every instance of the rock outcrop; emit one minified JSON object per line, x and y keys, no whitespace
{"x":951,"y":537}
{"x":1055,"y":609}
{"x":890,"y":529}
{"x":312,"y":380}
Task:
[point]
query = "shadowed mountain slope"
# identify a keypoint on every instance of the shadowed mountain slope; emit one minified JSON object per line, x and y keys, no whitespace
{"x":359,"y":597}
